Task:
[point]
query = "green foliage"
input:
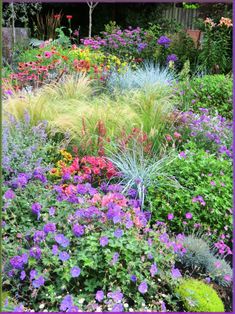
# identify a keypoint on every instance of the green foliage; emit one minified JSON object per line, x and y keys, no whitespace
{"x":199,"y":297}
{"x":197,"y":174}
{"x":210,"y":91}
{"x":183,"y":46}
{"x":216,"y":53}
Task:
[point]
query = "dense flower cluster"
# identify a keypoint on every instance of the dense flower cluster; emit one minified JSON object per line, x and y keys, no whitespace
{"x":87,"y":168}
{"x":213,"y":130}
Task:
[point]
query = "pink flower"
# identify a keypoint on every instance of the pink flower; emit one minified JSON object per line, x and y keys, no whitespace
{"x":227,"y":278}
{"x":177,"y":135}
{"x":170,"y":216}
{"x":188,"y":216}
{"x":168,"y":138}
{"x":47,"y":54}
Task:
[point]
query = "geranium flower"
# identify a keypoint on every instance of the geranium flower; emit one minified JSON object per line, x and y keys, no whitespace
{"x":143,"y":288}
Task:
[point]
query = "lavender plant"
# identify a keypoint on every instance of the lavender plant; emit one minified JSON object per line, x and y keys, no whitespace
{"x":26,"y":149}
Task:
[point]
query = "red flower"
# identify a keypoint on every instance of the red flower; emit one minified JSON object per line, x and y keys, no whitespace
{"x":69,"y":17}
{"x":57,"y":16}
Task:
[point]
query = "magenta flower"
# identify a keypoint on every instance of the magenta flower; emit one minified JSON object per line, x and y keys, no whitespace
{"x":170,"y":216}
{"x":188,"y":216}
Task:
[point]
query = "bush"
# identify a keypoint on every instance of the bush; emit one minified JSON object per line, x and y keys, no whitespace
{"x":205,"y":193}
{"x":212,"y":133}
{"x":213,"y":92}
{"x":81,"y":246}
{"x":199,"y":297}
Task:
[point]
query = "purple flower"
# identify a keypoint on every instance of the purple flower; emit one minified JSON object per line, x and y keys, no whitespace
{"x":49,"y":227}
{"x":36,"y":207}
{"x":75,"y":271}
{"x":175,"y":273}
{"x":118,"y":233}
{"x":64,"y":256}
{"x":22,"y":275}
{"x":133,"y":278}
{"x":37,"y":283}
{"x":188,"y":216}
{"x":104,"y":241}
{"x":153,"y":269}
{"x":163,"y":306}
{"x":129,"y":224}
{"x":164,"y":41}
{"x":35,"y":252}
{"x":170,"y":216}
{"x":117,"y":308}
{"x":54,"y":249}
{"x":78,"y":230}
{"x":62,"y":240}
{"x":74,"y":308}
{"x":19,"y":308}
{"x":9,"y":194}
{"x":99,"y":295}
{"x":182,"y":155}
{"x":116,"y":296}
{"x":17,"y":262}
{"x":143,"y":287}
{"x":171,"y":57}
{"x":115,"y":258}
{"x":66,"y":303}
{"x":39,"y":236}
{"x":51,"y":211}
{"x":33,"y":273}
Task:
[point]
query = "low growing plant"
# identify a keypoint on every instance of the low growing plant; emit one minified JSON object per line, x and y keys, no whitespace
{"x":199,"y":297}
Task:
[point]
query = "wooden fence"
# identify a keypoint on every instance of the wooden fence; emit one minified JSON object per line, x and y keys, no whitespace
{"x":186,"y":17}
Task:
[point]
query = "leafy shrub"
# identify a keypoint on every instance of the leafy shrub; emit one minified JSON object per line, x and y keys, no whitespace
{"x":118,"y":259}
{"x":127,"y":44}
{"x":199,"y":297}
{"x":212,"y":133}
{"x":206,"y":193}
{"x":213,"y":92}
{"x":149,"y":75}
{"x":199,"y":255}
{"x":211,"y":57}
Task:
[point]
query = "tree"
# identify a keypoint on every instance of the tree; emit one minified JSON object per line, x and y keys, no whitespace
{"x":92,"y":6}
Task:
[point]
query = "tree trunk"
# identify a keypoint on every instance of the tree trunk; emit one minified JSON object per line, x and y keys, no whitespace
{"x":90,"y":21}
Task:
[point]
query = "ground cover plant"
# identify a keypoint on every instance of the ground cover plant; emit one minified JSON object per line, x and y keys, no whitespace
{"x":117,"y":173}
